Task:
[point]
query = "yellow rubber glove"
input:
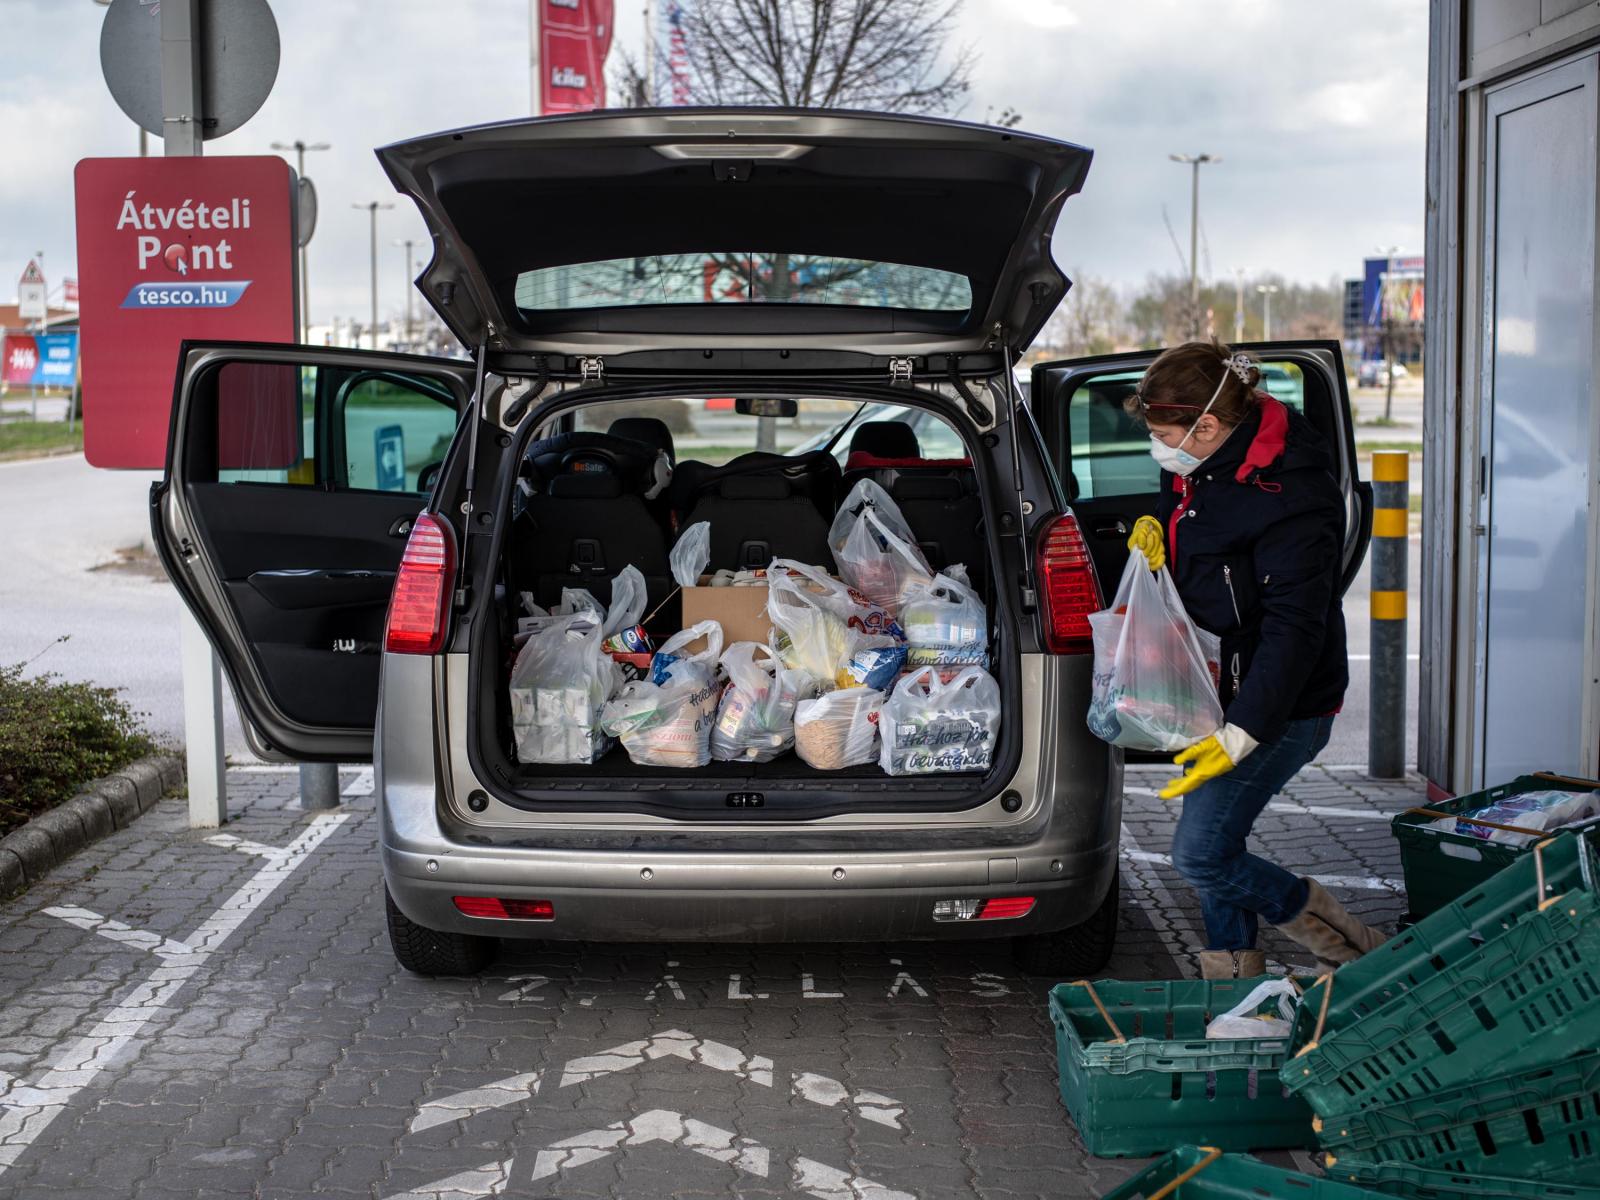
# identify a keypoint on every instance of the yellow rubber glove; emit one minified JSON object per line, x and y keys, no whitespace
{"x":1149,"y":540}
{"x":1209,"y":758}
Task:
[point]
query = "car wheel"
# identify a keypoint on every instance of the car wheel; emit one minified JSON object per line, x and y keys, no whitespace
{"x":1076,"y":951}
{"x":426,"y":951}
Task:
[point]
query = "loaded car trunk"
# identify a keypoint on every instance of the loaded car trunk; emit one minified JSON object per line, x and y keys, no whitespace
{"x":593,"y":517}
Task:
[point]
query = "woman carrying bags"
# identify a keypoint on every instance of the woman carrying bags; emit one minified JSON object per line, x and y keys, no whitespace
{"x":1251,"y":523}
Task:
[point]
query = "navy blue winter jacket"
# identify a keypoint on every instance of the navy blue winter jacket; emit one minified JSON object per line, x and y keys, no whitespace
{"x":1254,"y":538}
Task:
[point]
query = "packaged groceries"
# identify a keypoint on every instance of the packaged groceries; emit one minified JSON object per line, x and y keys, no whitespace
{"x":929,"y":725}
{"x":1266,"y":1011}
{"x":872,"y":660}
{"x":1535,"y":811}
{"x":666,"y":721}
{"x":874,"y":547}
{"x":945,"y":623}
{"x":1155,"y":673}
{"x":755,"y":719}
{"x":838,"y":729}
{"x":562,"y":677}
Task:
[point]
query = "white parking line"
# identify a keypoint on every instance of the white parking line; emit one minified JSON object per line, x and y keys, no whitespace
{"x":244,"y":845}
{"x":870,"y":1106}
{"x":116,"y":931}
{"x":361,"y":785}
{"x":25,"y":1114}
{"x":673,"y":1043}
{"x":461,"y":1105}
{"x":1363,"y":883}
{"x":1183,"y":956}
{"x":1317,"y":810}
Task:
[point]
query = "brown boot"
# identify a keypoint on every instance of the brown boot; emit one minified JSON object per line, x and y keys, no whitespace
{"x":1232,"y":964}
{"x":1328,"y":931}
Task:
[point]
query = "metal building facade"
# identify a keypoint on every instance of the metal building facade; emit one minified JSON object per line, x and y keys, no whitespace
{"x":1511,"y":528}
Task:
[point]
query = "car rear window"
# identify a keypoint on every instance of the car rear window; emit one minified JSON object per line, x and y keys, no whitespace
{"x":738,"y":277}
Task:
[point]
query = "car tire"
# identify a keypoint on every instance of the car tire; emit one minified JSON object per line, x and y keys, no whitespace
{"x":1076,"y":951}
{"x":424,"y":951}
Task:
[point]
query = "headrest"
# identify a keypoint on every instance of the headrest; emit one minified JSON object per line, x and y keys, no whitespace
{"x":887,"y":439}
{"x":917,"y":486}
{"x":586,"y":485}
{"x":652,"y":431}
{"x":754,"y":487}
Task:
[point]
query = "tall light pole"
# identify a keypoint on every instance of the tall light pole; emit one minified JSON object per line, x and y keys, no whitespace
{"x":1266,"y":290}
{"x":410,"y":275}
{"x":372,"y":207}
{"x":1195,"y":161}
{"x":1386,"y":327}
{"x":300,"y":149}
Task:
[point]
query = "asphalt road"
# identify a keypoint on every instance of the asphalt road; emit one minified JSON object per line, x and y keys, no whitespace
{"x":122,"y":627}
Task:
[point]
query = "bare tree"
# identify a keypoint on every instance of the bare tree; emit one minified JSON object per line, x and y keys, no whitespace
{"x":883,"y":55}
{"x":1089,"y":320}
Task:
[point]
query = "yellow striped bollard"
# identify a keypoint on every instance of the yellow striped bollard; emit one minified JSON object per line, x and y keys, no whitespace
{"x":1391,"y":516}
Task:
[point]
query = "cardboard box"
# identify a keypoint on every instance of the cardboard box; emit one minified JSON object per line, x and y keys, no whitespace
{"x":741,"y":611}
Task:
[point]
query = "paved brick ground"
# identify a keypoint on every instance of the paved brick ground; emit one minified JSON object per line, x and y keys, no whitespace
{"x":270,"y":1047}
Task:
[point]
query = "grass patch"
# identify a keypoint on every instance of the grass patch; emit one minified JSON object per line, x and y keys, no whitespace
{"x":1383,"y":423}
{"x":30,"y":439}
{"x":56,"y":736}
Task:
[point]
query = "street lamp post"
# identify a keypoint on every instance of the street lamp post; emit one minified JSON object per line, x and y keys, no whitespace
{"x":1266,"y":290}
{"x":1238,"y":304}
{"x":299,"y":147}
{"x":408,"y":243}
{"x":1195,"y":161}
{"x":372,"y":207}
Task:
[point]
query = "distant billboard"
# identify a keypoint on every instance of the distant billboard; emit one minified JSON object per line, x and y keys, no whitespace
{"x":670,"y":71}
{"x":40,"y":360}
{"x":1392,"y":290}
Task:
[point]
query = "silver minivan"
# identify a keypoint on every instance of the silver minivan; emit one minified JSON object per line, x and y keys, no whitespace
{"x":356,"y":530}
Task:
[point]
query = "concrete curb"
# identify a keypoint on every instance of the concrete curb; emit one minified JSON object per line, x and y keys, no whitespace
{"x":100,"y":808}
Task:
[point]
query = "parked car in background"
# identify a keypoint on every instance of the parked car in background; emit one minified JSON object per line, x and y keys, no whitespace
{"x":1374,"y":373}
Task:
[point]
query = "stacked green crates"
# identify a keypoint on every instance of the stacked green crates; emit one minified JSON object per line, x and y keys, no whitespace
{"x":1441,"y":865}
{"x":1205,"y":1173}
{"x":1155,"y":1081}
{"x":1469,"y":1045}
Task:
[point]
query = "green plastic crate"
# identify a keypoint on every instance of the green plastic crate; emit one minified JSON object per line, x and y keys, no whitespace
{"x":1542,"y":1123}
{"x":1167,"y":1084}
{"x":1422,"y":1183}
{"x":1442,"y":866}
{"x":1491,"y":977}
{"x":1229,"y":1177}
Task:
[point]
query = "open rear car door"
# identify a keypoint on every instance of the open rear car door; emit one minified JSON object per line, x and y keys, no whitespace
{"x":294,"y":475}
{"x":1102,"y":454}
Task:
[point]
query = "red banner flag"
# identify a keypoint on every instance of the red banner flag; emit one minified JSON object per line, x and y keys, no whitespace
{"x":574,"y":38}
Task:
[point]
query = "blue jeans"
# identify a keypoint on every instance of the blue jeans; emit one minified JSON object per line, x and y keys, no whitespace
{"x":1208,"y":847}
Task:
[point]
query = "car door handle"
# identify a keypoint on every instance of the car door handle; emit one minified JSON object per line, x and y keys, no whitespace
{"x":402,"y":527}
{"x":316,"y":588}
{"x":1116,"y":528}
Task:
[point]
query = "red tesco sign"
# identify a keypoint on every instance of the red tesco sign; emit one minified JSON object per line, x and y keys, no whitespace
{"x":575,"y":37}
{"x":169,"y":249}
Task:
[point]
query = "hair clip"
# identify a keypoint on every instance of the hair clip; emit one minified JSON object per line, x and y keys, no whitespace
{"x":1240,"y":364}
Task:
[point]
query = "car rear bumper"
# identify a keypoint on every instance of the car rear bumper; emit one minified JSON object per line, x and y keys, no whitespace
{"x":742,"y":910}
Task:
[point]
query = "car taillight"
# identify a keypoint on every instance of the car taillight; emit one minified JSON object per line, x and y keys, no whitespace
{"x":419,"y":605}
{"x":506,"y":910}
{"x":1002,"y":908}
{"x":1069,"y":588}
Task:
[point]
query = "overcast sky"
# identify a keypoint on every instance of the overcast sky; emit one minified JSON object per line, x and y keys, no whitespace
{"x":1317,"y":110}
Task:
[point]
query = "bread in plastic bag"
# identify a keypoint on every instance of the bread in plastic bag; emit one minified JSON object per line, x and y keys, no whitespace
{"x":1155,"y":671}
{"x":945,"y":622}
{"x":755,"y":717}
{"x":666,"y":721}
{"x":562,"y":678}
{"x":838,"y":729}
{"x":1254,"y":1017}
{"x":930,"y":725}
{"x":690,"y":554}
{"x":874,"y":547}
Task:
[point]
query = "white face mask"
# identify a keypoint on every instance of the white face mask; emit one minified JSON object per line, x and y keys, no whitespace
{"x":1175,"y":458}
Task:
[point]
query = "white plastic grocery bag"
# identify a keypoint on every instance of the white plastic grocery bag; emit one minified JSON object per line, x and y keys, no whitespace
{"x":691,"y":553}
{"x":930,"y":724}
{"x":813,"y":615}
{"x":838,"y":729}
{"x":562,"y":677}
{"x":876,"y":552}
{"x":1155,"y":678}
{"x":755,"y":718}
{"x":1246,"y":1018}
{"x":666,"y":721}
{"x":945,"y":623}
